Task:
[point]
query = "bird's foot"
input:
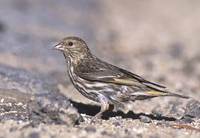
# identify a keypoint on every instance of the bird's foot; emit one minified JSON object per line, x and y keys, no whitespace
{"x":104,"y":106}
{"x":96,"y":117}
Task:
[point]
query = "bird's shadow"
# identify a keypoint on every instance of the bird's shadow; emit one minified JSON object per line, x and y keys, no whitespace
{"x":92,"y":110}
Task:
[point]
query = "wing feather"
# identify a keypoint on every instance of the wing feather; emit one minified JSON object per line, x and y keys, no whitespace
{"x":119,"y":76}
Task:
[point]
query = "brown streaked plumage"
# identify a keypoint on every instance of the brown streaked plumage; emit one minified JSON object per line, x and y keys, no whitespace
{"x":105,"y":83}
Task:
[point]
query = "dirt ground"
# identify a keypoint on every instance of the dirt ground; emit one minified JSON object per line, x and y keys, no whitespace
{"x":158,"y":40}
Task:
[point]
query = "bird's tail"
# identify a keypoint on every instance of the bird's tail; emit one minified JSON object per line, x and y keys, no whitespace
{"x":165,"y":93}
{"x":154,"y":93}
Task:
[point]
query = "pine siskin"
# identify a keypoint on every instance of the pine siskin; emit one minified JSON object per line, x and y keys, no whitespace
{"x":105,"y":83}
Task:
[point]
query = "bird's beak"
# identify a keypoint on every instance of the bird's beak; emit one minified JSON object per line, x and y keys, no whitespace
{"x":59,"y":46}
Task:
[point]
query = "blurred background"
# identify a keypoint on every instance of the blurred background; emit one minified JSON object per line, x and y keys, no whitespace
{"x":156,"y":39}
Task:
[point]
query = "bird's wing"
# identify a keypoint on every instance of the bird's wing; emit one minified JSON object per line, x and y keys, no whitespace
{"x":118,"y":76}
{"x":142,"y":80}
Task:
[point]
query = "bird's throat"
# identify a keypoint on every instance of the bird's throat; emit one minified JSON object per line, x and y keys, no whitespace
{"x":78,"y":58}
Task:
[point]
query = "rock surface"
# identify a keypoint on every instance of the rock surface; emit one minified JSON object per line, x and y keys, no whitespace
{"x":158,"y":40}
{"x":34,"y":98}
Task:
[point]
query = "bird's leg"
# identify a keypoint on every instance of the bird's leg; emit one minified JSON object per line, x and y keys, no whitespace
{"x":104,"y":106}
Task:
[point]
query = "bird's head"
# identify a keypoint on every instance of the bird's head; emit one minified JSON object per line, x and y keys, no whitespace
{"x":73,"y":47}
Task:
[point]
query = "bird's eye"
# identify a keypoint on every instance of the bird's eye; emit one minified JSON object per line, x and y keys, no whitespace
{"x":70,"y":43}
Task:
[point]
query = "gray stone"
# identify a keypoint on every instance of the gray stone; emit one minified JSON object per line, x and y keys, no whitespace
{"x":27,"y":96}
{"x":193,"y":109}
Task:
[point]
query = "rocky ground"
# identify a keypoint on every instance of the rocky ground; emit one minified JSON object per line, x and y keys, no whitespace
{"x":156,"y":39}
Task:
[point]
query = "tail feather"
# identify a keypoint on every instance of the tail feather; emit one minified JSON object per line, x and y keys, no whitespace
{"x":178,"y":95}
{"x":154,"y":93}
{"x":165,"y":93}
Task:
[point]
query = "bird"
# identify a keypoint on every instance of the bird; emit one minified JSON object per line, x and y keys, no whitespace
{"x":105,"y":83}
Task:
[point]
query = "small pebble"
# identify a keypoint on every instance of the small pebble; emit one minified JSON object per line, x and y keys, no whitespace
{"x":34,"y":135}
{"x":90,"y":129}
{"x":145,"y":119}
